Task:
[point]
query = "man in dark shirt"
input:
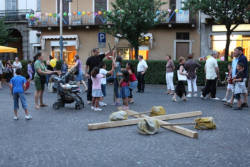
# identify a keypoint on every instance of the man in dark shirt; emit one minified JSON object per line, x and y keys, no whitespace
{"x":93,"y":61}
{"x":243,"y":60}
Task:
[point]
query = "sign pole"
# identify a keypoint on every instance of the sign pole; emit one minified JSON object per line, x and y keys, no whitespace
{"x":61,"y":30}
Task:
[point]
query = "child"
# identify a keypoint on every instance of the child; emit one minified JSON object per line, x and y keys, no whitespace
{"x":104,"y":72}
{"x":240,"y":86}
{"x":132,"y":81}
{"x":230,"y":85}
{"x":180,"y":87}
{"x":30,"y":71}
{"x":124,"y":89}
{"x":17,"y":87}
{"x":96,"y":88}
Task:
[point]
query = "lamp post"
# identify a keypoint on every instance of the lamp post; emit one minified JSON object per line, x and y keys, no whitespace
{"x":61,"y":30}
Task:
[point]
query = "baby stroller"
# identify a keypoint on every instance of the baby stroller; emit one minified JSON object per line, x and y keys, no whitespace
{"x":67,"y":92}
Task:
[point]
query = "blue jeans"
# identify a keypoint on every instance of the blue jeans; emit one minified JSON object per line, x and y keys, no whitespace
{"x":103,"y":86}
{"x":16,"y":97}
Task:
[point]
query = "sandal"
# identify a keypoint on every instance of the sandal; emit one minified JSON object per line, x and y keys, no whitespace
{"x":43,"y":105}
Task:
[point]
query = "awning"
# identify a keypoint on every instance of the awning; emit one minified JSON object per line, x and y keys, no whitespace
{"x":57,"y":37}
{"x":4,"y":49}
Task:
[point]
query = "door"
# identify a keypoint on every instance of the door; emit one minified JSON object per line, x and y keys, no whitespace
{"x":100,"y":5}
{"x":182,"y":49}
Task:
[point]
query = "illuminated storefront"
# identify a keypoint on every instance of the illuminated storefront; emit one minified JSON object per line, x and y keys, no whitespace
{"x":240,"y":37}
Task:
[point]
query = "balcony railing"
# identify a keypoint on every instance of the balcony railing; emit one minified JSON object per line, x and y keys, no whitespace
{"x":182,"y":17}
{"x":14,"y":15}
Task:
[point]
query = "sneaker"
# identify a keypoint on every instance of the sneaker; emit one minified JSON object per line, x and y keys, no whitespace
{"x":228,"y":104}
{"x":88,"y":102}
{"x":244,"y":105}
{"x":235,"y":101}
{"x":224,"y":100}
{"x":202,"y":97}
{"x":216,"y":98}
{"x":15,"y":118}
{"x":28,"y":117}
{"x":189,"y":95}
{"x":102,"y":104}
{"x":195,"y":95}
{"x":92,"y":108}
{"x":98,"y":109}
{"x":174,"y":99}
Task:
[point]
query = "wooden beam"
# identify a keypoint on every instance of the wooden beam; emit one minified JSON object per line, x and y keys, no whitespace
{"x":113,"y":124}
{"x":177,"y":129}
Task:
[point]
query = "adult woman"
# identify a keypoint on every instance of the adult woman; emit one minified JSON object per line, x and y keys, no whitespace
{"x":79,"y":72}
{"x":16,"y":65}
{"x":180,"y":87}
{"x":191,"y":67}
{"x":169,"y":75}
{"x":132,"y":81}
{"x":8,"y":71}
{"x":40,"y":80}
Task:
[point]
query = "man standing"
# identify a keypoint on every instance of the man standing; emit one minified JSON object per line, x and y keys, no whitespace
{"x":93,"y":61}
{"x":242,"y":59}
{"x":17,"y":65}
{"x":212,"y":73}
{"x":141,"y":69}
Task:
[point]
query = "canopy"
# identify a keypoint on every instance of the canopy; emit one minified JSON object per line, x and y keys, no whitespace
{"x":4,"y":49}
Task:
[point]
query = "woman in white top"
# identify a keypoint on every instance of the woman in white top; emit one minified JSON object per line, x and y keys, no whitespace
{"x":16,"y":65}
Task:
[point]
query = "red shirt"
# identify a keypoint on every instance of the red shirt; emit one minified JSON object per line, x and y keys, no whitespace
{"x":132,"y":77}
{"x":123,"y":84}
{"x":230,"y":78}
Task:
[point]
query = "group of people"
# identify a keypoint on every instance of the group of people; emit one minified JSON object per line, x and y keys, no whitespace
{"x":186,"y":72}
{"x":125,"y":80}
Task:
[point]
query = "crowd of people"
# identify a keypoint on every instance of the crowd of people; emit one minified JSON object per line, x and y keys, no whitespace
{"x":126,"y":80}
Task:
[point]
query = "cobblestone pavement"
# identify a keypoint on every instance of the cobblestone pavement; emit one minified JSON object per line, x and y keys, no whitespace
{"x":61,"y":138}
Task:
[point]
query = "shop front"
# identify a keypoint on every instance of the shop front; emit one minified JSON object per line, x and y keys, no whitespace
{"x":239,"y":38}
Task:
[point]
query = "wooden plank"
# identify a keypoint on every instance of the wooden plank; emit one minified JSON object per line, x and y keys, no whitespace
{"x":113,"y":124}
{"x":177,"y":129}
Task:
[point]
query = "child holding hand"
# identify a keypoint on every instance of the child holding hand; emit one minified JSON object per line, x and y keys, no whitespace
{"x":124,"y":89}
{"x":96,"y":89}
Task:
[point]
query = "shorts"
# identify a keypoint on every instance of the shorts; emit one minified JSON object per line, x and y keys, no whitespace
{"x":97,"y":93}
{"x":237,"y":96}
{"x":230,"y":87}
{"x":38,"y":84}
{"x":16,"y":97}
{"x":1,"y":77}
{"x":133,"y":85}
{"x":124,"y":92}
{"x":104,"y":89}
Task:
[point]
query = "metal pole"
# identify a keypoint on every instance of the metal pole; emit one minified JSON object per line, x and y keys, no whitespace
{"x":61,"y":30}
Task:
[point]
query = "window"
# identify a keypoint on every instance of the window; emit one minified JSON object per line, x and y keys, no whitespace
{"x":182,"y":35}
{"x":11,"y":4}
{"x":100,"y":5}
{"x":38,"y":5}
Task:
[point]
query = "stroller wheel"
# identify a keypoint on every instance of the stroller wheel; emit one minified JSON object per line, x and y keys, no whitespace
{"x":79,"y":106}
{"x":57,"y":105}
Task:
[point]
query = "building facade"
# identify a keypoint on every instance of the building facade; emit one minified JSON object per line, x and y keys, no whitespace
{"x":176,"y":37}
{"x":14,"y":12}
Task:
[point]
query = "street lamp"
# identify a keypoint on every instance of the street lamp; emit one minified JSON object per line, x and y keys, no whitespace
{"x":61,"y":30}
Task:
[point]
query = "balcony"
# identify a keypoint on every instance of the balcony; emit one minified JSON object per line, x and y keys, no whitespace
{"x":175,"y":19}
{"x":14,"y":15}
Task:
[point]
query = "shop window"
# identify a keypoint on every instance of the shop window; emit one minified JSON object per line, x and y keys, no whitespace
{"x":129,"y":54}
{"x":219,"y":43}
{"x":182,"y":35}
{"x":69,"y":53}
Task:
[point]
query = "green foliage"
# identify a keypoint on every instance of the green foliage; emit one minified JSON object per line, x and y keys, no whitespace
{"x":129,"y":19}
{"x":5,"y":33}
{"x":230,"y":13}
{"x":157,"y":71}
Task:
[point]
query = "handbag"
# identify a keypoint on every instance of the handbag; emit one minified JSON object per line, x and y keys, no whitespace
{"x":180,"y":76}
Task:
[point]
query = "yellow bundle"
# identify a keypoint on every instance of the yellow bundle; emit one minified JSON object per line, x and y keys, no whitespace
{"x":205,"y":123}
{"x":157,"y":110}
{"x":148,"y":126}
{"x":119,"y":115}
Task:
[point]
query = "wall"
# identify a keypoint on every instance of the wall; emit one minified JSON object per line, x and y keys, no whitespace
{"x":27,"y":4}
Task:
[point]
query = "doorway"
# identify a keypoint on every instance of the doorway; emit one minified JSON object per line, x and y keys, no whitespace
{"x":182,"y":48}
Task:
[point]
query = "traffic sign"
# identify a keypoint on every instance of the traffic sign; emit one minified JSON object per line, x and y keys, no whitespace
{"x":102,"y":39}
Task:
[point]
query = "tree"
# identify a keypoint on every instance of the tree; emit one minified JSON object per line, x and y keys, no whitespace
{"x":130,"y":19}
{"x":230,"y":13}
{"x":5,"y":31}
